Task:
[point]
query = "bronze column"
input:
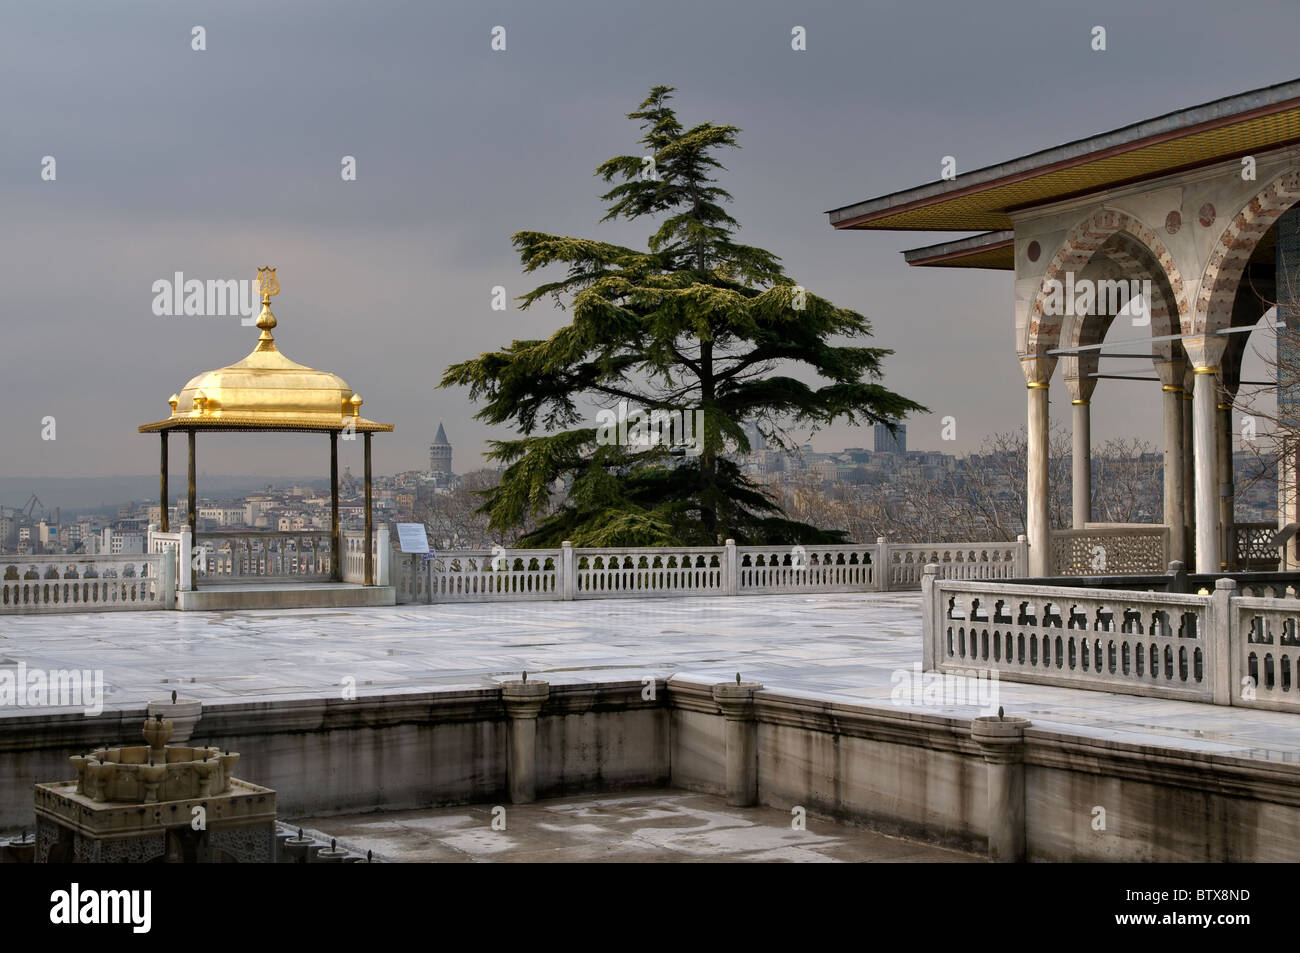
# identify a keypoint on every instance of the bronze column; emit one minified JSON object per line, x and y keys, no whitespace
{"x":162,"y":485}
{"x":336,"y":556}
{"x":370,"y":523}
{"x":190,"y":517}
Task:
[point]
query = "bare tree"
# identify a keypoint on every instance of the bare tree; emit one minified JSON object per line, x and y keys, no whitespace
{"x":984,"y":497}
{"x":452,"y":518}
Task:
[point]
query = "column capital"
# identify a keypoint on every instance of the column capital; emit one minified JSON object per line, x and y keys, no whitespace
{"x":1077,"y":369}
{"x":1037,"y":369}
{"x":1171,"y":373}
{"x":1080,"y":389}
{"x":1204,"y":351}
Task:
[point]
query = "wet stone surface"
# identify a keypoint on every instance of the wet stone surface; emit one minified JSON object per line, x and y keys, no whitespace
{"x":662,"y":826}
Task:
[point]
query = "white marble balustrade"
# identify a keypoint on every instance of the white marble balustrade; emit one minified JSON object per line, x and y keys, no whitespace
{"x":238,"y":556}
{"x":1266,"y":653}
{"x":729,"y":570}
{"x":80,"y":583}
{"x":1219,"y":646}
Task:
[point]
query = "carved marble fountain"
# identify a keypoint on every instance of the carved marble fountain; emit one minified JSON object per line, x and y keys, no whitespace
{"x":154,"y":772}
{"x":155,"y":802}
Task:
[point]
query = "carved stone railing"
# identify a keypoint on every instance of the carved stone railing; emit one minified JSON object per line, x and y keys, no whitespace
{"x":729,"y":570}
{"x":907,"y":561}
{"x":770,"y":569}
{"x":1252,"y":547}
{"x":653,"y":571}
{"x":1266,"y":656}
{"x":1110,"y":549}
{"x":1136,"y":642}
{"x":84,"y":583}
{"x":1215,"y":646}
{"x":483,"y":576}
{"x":263,"y":555}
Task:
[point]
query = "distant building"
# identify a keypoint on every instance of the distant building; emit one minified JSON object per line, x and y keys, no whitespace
{"x":440,"y":453}
{"x":887,"y":442}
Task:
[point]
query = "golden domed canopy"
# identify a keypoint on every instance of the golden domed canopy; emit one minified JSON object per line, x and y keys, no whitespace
{"x":266,"y":391}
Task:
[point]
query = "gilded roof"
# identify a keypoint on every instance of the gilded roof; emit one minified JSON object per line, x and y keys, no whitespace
{"x":266,"y":391}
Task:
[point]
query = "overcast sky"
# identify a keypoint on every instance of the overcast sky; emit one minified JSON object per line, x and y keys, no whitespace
{"x":212,"y":163}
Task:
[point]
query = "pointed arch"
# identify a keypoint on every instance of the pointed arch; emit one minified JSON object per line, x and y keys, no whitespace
{"x":1081,"y":245}
{"x":1227,"y":260}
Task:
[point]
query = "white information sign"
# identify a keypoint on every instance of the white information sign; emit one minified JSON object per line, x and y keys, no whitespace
{"x":412,"y":538}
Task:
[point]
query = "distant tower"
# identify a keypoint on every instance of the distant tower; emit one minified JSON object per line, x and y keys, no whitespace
{"x":440,"y":452}
{"x":887,"y":442}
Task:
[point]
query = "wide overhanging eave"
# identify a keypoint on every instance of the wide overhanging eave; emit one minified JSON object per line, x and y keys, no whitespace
{"x":235,"y":423}
{"x":1248,"y":123}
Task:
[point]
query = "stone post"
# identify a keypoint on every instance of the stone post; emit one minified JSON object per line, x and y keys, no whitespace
{"x":301,"y":849}
{"x":384,"y":571}
{"x":736,"y":699}
{"x":331,"y":854}
{"x":882,"y":558}
{"x":730,"y":569}
{"x":19,"y":850}
{"x":167,"y":577}
{"x":1221,"y":641}
{"x":568,"y":571}
{"x":1001,"y":741}
{"x":185,"y":559}
{"x":523,"y":700}
{"x":1038,"y":372}
{"x":931,"y":617}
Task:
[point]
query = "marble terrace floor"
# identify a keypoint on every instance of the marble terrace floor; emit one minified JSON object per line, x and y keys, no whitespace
{"x":847,"y":646}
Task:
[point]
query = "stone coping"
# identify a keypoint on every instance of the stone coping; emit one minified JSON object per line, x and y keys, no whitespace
{"x":1201,"y":764}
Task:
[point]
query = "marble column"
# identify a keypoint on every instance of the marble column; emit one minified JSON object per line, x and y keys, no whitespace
{"x":1080,"y":389}
{"x":1227,"y":557}
{"x":1171,"y":389}
{"x":1189,"y":471}
{"x":1205,"y":352}
{"x":1286,"y":501}
{"x":1038,"y":372}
